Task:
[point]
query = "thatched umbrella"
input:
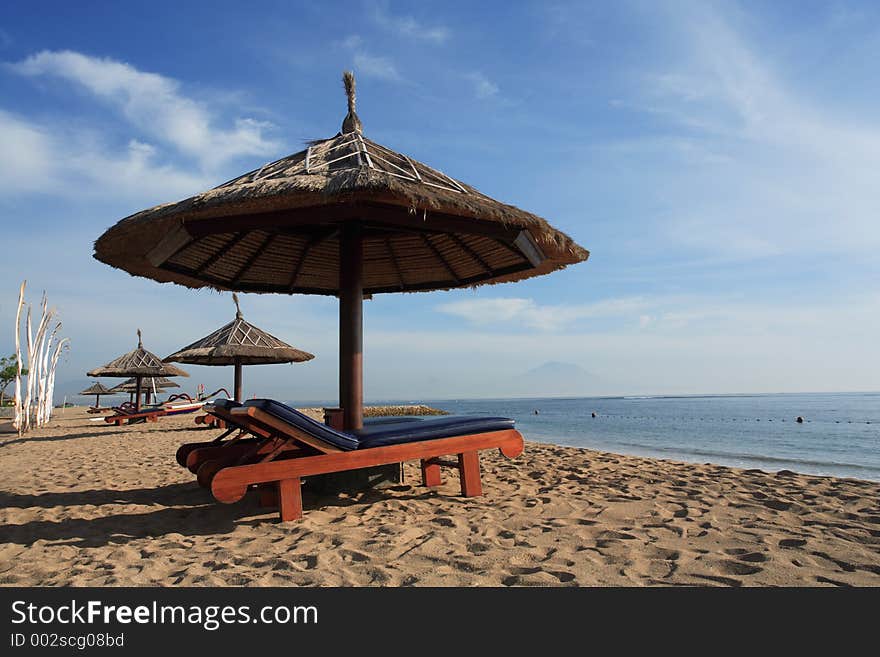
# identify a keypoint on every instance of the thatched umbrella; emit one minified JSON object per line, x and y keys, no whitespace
{"x":346,"y":217}
{"x":238,"y":343}
{"x":97,"y":390}
{"x":139,"y":363}
{"x":149,"y":384}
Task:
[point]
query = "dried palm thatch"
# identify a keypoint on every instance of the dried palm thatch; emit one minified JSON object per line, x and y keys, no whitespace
{"x":276,"y":229}
{"x":137,"y":363}
{"x":239,"y":343}
{"x":97,"y":389}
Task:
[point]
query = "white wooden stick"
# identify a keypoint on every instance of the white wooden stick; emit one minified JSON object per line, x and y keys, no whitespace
{"x":18,"y":422}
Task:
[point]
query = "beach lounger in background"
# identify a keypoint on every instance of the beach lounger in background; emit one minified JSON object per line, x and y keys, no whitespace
{"x":126,"y":413}
{"x":301,"y":447}
{"x":177,"y":405}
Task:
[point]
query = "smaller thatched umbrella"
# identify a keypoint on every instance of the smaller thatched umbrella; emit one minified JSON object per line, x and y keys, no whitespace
{"x":149,"y":384}
{"x":238,"y":343}
{"x":139,"y":363}
{"x":97,"y":390}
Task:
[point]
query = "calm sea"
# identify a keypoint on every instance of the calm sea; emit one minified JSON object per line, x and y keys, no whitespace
{"x":840,"y":435}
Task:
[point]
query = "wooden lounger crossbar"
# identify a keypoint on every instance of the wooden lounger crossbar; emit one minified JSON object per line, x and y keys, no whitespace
{"x":229,"y":484}
{"x":130,"y":418}
{"x":193,"y":455}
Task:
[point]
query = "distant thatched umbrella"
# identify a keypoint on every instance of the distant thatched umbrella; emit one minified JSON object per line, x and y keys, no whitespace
{"x":139,"y":363}
{"x":97,"y":390}
{"x":238,"y":343}
{"x":148,"y":383}
{"x":345,"y":217}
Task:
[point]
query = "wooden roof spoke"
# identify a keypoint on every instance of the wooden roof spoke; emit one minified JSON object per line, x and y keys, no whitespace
{"x":473,"y":254}
{"x":313,"y":241}
{"x":235,"y":239}
{"x":254,"y":257}
{"x":394,"y":262}
{"x":440,"y":257}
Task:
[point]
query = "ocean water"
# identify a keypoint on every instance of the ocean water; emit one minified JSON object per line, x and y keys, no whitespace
{"x":840,"y":435}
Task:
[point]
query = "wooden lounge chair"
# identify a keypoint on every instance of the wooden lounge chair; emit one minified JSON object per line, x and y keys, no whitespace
{"x":302,"y":447}
{"x":127,"y":414}
{"x":250,"y":444}
{"x":175,"y":405}
{"x":210,"y":421}
{"x":228,"y":447}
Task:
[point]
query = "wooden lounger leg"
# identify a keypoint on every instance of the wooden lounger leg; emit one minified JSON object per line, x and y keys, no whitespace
{"x":268,"y":496}
{"x":469,"y":469}
{"x":431,"y":475}
{"x":290,"y":499}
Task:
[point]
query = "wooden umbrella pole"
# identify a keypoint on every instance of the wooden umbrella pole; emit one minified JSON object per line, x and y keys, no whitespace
{"x":137,"y":394}
{"x":351,"y":301}
{"x":97,"y":401}
{"x":237,"y":388}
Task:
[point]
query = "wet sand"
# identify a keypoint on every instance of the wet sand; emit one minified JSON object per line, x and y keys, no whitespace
{"x":83,"y":503}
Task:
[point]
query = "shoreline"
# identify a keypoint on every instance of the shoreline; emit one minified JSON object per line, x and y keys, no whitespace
{"x":92,"y":505}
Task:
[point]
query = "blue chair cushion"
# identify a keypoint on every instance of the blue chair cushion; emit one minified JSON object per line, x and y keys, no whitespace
{"x":428,"y":429}
{"x":393,"y":431}
{"x":303,"y":422}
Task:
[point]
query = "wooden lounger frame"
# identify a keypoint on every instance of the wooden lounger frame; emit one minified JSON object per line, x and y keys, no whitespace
{"x":224,"y":450}
{"x":130,"y":418}
{"x":284,"y":470}
{"x":210,"y":420}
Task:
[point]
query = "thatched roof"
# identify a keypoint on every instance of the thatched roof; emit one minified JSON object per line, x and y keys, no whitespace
{"x":239,"y":342}
{"x":276,"y":228}
{"x":139,"y":362}
{"x":147,"y":384}
{"x":97,"y":389}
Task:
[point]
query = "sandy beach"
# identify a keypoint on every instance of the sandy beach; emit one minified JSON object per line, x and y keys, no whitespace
{"x":82,"y":504}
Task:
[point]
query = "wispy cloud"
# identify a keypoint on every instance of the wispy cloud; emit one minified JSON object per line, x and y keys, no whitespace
{"x":769,"y":170}
{"x":530,"y":314}
{"x":376,"y":66}
{"x":155,"y":105}
{"x":407,"y":26}
{"x":483,"y":86}
{"x":367,"y":63}
{"x":54,"y":160}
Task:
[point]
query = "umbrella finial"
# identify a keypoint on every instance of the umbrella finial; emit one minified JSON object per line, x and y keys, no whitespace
{"x":351,"y":123}
{"x":237,"y":307}
{"x":140,"y":342}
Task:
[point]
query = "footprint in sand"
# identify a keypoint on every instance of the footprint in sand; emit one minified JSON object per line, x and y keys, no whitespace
{"x":613,"y":535}
{"x":738,"y":568}
{"x":777,"y":505}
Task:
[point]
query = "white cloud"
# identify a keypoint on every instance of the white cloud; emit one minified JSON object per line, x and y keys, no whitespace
{"x":26,"y":154}
{"x":368,"y":64}
{"x":53,"y":160}
{"x":483,"y":86}
{"x":529,"y":314}
{"x":407,"y":26}
{"x":352,"y":42}
{"x":375,"y":66}
{"x":763,"y":169}
{"x":155,"y":105}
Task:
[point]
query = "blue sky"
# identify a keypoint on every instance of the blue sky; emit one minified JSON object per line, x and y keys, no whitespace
{"x":719,"y":160}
